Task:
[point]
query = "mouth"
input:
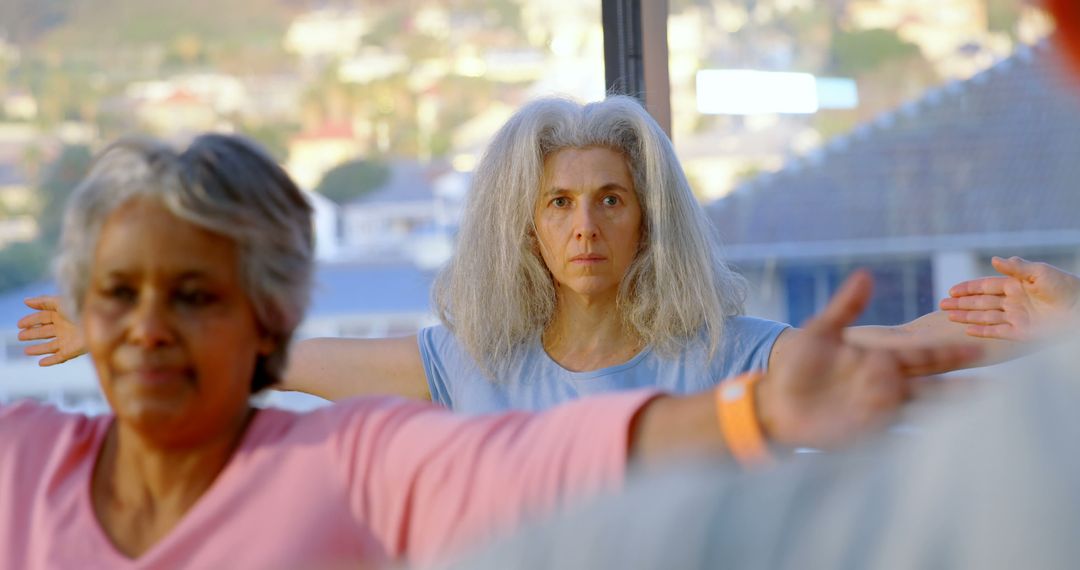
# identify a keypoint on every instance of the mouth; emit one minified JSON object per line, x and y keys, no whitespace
{"x":588,"y":258}
{"x":156,"y":376}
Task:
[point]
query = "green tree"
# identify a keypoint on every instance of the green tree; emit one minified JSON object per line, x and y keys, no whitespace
{"x":353,"y":179}
{"x":273,"y":136}
{"x":859,"y":52}
{"x":26,"y":20}
{"x":1002,"y":16}
{"x":23,"y":263}
{"x":60,"y":178}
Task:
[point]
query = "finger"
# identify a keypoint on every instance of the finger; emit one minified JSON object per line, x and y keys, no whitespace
{"x":926,"y":361}
{"x":52,"y":360}
{"x":1017,"y":267}
{"x":977,"y":317}
{"x":35,"y":319}
{"x":1004,"y":331}
{"x":882,"y":388}
{"x":43,"y":302}
{"x":42,"y":348}
{"x":974,"y":303}
{"x":982,"y":286}
{"x":878,"y":404}
{"x":891,"y":368}
{"x":42,"y":332}
{"x":845,"y":306}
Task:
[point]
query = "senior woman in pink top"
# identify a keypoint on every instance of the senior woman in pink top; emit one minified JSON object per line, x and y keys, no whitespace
{"x":189,"y":272}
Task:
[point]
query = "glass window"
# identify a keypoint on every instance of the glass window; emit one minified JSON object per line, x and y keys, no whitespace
{"x":915,"y":138}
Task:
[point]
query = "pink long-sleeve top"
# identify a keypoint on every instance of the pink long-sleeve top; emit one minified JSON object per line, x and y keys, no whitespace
{"x":358,"y":484}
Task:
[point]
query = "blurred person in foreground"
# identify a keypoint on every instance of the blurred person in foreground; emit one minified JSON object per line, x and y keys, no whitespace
{"x":585,"y":265}
{"x":992,"y":484}
{"x":189,"y":271}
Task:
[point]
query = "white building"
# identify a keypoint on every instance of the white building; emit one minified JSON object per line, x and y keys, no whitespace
{"x":401,"y":219}
{"x":315,"y":152}
{"x":325,"y":34}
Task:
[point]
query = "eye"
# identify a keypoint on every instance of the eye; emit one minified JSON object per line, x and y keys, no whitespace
{"x":121,"y":293}
{"x":195,"y":297}
{"x":116,"y":292}
{"x":610,"y":200}
{"x":560,"y":202}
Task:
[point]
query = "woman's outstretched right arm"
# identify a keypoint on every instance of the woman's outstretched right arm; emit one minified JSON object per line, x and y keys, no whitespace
{"x":337,"y":368}
{"x":333,"y":368}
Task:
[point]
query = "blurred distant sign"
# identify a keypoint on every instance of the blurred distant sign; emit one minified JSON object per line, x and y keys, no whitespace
{"x":750,"y":92}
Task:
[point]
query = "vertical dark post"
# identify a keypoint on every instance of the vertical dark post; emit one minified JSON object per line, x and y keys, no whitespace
{"x":654,"y":18}
{"x":636,"y":54}
{"x":624,"y":65}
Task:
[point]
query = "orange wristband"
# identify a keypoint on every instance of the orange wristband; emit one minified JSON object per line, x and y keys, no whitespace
{"x":739,"y":425}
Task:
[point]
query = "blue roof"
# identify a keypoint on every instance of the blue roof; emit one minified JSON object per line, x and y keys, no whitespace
{"x":408,"y":182}
{"x":12,"y":175}
{"x":353,"y":288}
{"x":11,"y":302}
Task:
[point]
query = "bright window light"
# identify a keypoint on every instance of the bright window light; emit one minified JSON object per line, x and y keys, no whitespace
{"x":750,"y":92}
{"x":837,"y":93}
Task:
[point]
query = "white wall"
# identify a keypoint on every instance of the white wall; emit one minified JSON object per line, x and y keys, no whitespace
{"x":952,"y":267}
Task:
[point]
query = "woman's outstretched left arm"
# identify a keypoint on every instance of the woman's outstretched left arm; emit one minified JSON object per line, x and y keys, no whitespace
{"x":1000,"y":315}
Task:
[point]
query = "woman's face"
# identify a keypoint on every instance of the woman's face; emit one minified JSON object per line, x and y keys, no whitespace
{"x":588,"y":220}
{"x":168,"y":324}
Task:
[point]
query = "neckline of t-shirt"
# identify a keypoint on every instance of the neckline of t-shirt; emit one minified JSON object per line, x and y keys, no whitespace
{"x":586,"y":374}
{"x":249,"y":439}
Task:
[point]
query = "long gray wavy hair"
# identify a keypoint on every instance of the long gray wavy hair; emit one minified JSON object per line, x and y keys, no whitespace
{"x":496,"y":294}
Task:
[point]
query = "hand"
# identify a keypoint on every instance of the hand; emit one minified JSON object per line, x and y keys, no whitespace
{"x":825,"y":392}
{"x":1032,"y":300}
{"x":49,"y":322}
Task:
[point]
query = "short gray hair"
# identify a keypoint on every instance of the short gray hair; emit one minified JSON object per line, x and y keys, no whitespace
{"x":225,"y":184}
{"x":495,"y":293}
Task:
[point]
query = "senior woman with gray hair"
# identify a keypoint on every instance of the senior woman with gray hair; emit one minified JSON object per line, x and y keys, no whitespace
{"x":189,"y":271}
{"x":585,"y":265}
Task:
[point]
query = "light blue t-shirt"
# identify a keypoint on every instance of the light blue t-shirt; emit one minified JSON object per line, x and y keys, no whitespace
{"x":535,"y":382}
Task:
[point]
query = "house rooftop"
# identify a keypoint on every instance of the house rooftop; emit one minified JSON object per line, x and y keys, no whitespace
{"x":995,"y":155}
{"x":409,"y":181}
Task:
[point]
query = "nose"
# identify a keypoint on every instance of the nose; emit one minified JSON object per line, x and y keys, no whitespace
{"x":150,"y":325}
{"x":585,"y":227}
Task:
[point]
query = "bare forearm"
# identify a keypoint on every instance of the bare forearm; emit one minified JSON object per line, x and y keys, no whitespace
{"x":337,"y":368}
{"x":933,"y":329}
{"x":669,"y":427}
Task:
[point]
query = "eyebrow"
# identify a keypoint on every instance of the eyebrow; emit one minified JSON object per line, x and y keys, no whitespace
{"x":609,"y":187}
{"x":193,"y":274}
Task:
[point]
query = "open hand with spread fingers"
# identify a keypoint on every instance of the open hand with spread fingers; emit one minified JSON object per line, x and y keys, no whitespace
{"x":49,"y":323}
{"x":1029,"y":301}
